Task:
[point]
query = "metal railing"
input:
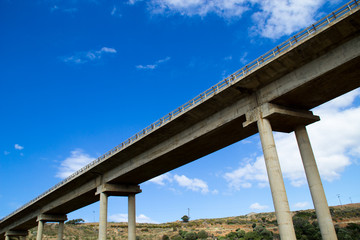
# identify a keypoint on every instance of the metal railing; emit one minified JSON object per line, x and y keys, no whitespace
{"x":225,"y":83}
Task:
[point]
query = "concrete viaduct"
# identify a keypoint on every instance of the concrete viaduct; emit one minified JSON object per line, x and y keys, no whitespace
{"x":273,"y":93}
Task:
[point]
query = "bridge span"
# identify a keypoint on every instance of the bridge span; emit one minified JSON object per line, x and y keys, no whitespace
{"x":273,"y":93}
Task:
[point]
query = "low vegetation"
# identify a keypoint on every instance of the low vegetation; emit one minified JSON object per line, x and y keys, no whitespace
{"x":262,"y":226}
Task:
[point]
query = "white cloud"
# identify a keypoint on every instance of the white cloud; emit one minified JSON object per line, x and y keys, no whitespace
{"x":160,"y":180}
{"x":301,"y":205}
{"x":6,"y":153}
{"x":122,"y":217}
{"x":271,"y":18}
{"x":77,"y":160}
{"x":84,"y":57}
{"x":153,"y":66}
{"x":194,"y":184}
{"x":277,"y":18}
{"x":257,"y":206}
{"x":18,"y":147}
{"x":247,"y":174}
{"x":334,"y":140}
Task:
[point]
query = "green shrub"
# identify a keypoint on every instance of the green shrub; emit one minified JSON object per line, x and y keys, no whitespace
{"x":202,"y":234}
{"x":190,"y":236}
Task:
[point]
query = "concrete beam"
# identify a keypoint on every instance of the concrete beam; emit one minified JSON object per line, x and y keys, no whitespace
{"x":16,"y":233}
{"x":318,"y":67}
{"x":118,"y":190}
{"x":282,"y":119}
{"x":217,"y":120}
{"x":284,"y":85}
{"x":51,"y":218}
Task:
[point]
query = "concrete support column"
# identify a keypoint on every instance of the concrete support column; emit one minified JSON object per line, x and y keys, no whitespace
{"x":276,"y":181}
{"x":61,"y":231}
{"x":103,"y":215}
{"x":316,"y":188}
{"x":40,"y":230}
{"x":131,"y":217}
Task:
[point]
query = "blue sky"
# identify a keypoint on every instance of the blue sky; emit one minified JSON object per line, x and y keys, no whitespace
{"x":78,"y":77}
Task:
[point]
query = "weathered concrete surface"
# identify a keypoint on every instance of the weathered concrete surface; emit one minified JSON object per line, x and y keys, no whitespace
{"x":103,"y":215}
{"x":277,"y":186}
{"x":131,"y":217}
{"x":316,"y":188}
{"x":306,"y":75}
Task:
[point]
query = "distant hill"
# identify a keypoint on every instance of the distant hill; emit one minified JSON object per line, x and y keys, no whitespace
{"x":345,"y":217}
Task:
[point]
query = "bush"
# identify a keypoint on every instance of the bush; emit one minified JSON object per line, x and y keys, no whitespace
{"x":165,"y":237}
{"x":202,"y":234}
{"x":182,"y":233}
{"x":190,"y":236}
{"x":177,"y":237}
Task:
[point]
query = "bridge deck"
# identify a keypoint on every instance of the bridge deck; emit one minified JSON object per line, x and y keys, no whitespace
{"x":194,"y":133}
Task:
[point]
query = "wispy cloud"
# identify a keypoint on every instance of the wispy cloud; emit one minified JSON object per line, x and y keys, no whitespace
{"x":115,"y":12}
{"x":123,"y":217}
{"x":89,"y":56}
{"x":18,"y":147}
{"x":65,"y":10}
{"x":154,"y":65}
{"x":338,"y":116}
{"x":226,"y":9}
{"x":74,"y":162}
{"x":6,"y":153}
{"x":132,"y":2}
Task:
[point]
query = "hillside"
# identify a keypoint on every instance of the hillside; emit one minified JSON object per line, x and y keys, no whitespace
{"x":219,"y":228}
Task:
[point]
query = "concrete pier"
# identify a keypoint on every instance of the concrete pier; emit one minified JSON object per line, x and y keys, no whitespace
{"x":61,"y":231}
{"x":316,"y":188}
{"x":40,"y":230}
{"x":106,"y":190}
{"x":103,"y":216}
{"x":282,"y":210}
{"x":131,"y":217}
{"x":21,"y":235}
{"x":43,"y":218}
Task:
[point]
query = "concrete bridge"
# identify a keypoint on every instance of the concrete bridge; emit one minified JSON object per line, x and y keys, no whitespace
{"x":273,"y":93}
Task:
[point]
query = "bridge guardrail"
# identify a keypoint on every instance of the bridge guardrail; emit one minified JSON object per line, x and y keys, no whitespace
{"x":222,"y":85}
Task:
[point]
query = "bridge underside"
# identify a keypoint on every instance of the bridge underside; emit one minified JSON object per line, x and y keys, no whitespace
{"x":314,"y":72}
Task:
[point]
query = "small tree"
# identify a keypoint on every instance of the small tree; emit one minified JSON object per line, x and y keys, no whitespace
{"x":185,"y":218}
